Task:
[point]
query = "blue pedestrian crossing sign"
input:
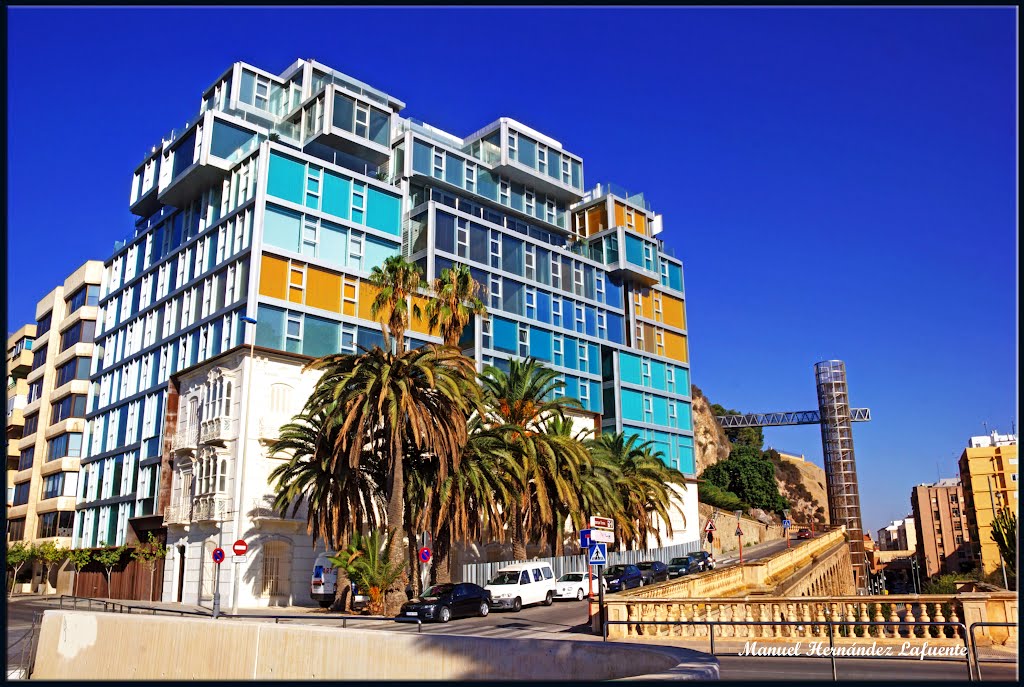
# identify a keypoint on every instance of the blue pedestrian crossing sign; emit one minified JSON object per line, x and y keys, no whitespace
{"x":786,"y":524}
{"x":598,"y":553}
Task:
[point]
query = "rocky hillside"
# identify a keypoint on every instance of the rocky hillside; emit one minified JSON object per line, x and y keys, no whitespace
{"x":803,"y":484}
{"x":709,"y":440}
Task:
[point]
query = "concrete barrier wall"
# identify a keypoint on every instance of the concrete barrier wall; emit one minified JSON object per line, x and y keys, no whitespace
{"x":78,"y":645}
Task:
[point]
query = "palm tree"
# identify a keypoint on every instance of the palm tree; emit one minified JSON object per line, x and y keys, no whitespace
{"x":519,"y":402}
{"x":455,"y":300}
{"x":643,"y":484}
{"x":382,"y":403}
{"x":396,"y":281}
{"x":339,"y":496}
{"x":563,"y":473}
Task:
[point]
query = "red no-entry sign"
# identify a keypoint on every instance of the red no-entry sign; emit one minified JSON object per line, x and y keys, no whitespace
{"x":240,"y":547}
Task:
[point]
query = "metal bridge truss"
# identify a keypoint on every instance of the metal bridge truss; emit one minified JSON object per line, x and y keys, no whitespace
{"x":796,"y":417}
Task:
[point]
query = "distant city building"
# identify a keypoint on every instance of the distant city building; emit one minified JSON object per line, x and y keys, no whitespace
{"x":988,"y":471}
{"x":899,"y":535}
{"x":51,"y":421}
{"x":943,"y":541}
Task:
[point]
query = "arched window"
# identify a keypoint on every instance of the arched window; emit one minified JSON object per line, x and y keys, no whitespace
{"x":280,"y":398}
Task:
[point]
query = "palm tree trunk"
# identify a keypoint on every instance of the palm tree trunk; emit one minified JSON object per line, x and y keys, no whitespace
{"x":442,"y":553}
{"x":395,"y":596}
{"x":518,"y":535}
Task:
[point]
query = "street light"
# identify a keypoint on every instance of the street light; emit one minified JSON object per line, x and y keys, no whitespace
{"x":243,"y":441}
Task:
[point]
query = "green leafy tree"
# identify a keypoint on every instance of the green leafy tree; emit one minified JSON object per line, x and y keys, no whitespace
{"x":50,"y":553}
{"x":390,"y":404}
{"x":752,"y":437}
{"x":565,"y":463}
{"x":1004,"y":534}
{"x":19,"y":554}
{"x":148,"y":553}
{"x":748,"y":475}
{"x":79,"y":558}
{"x":396,"y":280}
{"x":109,"y":558}
{"x":366,"y":562}
{"x":719,"y":498}
{"x":455,"y":300}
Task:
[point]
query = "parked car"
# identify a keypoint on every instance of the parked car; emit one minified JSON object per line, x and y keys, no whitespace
{"x":653,"y":571}
{"x":522,"y":584}
{"x":623,"y":576}
{"x":577,"y":585}
{"x":442,"y":602}
{"x":683,"y":565}
{"x":706,"y":559}
{"x":804,"y":534}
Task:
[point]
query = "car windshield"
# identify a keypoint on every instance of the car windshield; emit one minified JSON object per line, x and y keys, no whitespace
{"x":644,"y":566}
{"x":571,"y":577}
{"x":680,"y":561}
{"x":615,"y":570}
{"x":436,"y":591}
{"x":507,"y":577}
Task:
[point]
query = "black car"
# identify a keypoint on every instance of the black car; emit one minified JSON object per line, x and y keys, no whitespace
{"x":442,"y":602}
{"x":706,"y":560}
{"x":621,"y":577}
{"x":683,"y":565}
{"x":653,"y":571}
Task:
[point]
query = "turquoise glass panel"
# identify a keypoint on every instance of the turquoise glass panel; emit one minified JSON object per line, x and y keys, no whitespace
{"x":422,"y":157}
{"x":658,"y":376}
{"x":595,"y":397}
{"x":270,"y":327}
{"x":286,"y":178}
{"x":571,"y":352}
{"x":383,"y":212}
{"x":687,"y":464}
{"x":486,"y":184}
{"x":685,"y":415}
{"x":540,"y":343}
{"x":634,"y":250}
{"x":282,"y":228}
{"x":376,"y":251}
{"x":632,"y":405}
{"x":453,"y":170}
{"x":337,"y":195}
{"x":505,"y":334}
{"x":629,"y":368}
{"x":544,"y":307}
{"x":228,"y":138}
{"x":675,"y":277}
{"x":320,"y":336}
{"x":593,"y":359}
{"x":682,"y":381}
{"x":527,"y":151}
{"x":572,"y":387}
{"x":660,"y":406}
{"x":333,"y":244}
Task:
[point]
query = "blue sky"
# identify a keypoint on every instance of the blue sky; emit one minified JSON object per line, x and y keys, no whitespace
{"x":840,"y":183}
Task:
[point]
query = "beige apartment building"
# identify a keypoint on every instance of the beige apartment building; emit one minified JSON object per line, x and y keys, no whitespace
{"x":988,"y":471}
{"x":943,"y":539}
{"x":898,"y":535}
{"x":45,"y":482}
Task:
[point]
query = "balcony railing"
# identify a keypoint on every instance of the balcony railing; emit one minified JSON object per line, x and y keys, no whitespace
{"x":216,"y":430}
{"x":185,"y":439}
{"x":211,"y":508}
{"x":178,"y":515}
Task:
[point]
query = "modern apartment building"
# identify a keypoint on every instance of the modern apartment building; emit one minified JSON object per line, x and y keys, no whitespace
{"x":53,"y":416}
{"x":19,"y":363}
{"x":898,"y":535}
{"x":943,"y":538}
{"x":988,"y":471}
{"x":276,"y":202}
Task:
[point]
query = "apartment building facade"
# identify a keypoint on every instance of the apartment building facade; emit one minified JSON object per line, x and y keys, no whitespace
{"x":943,"y":537}
{"x":898,"y":535}
{"x":49,"y":449}
{"x":988,"y":471}
{"x":276,"y":202}
{"x":19,"y":364}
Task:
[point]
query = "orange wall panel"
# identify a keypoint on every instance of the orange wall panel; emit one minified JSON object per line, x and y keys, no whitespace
{"x":323,"y":290}
{"x":673,"y":312}
{"x":273,"y":277}
{"x":675,"y":347}
{"x":419,"y":324}
{"x":597,"y":219}
{"x":620,"y":215}
{"x":366,"y":295}
{"x":641,"y":223}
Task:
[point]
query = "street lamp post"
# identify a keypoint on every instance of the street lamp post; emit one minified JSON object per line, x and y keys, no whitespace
{"x":243,"y":440}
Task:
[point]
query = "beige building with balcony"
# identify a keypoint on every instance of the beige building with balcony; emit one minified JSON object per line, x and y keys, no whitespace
{"x":943,"y":538}
{"x":988,"y":471}
{"x":19,"y":363}
{"x":45,"y":483}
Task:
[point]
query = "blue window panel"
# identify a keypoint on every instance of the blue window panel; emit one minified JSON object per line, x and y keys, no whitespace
{"x":184,"y":154}
{"x":593,"y":359}
{"x":320,"y":336}
{"x":632,"y":405}
{"x":595,"y":397}
{"x":544,"y":307}
{"x":422,"y":157}
{"x":512,"y":300}
{"x":615,"y":328}
{"x":453,"y":173}
{"x":572,"y":387}
{"x":337,"y":195}
{"x":684,"y":446}
{"x":512,"y":255}
{"x":376,"y":251}
{"x":540,"y":343}
{"x":682,"y":381}
{"x":444,"y":229}
{"x":675,"y":277}
{"x":478,"y":243}
{"x":658,"y":376}
{"x":505,"y":334}
{"x":369,"y":338}
{"x":227,"y":138}
{"x":527,"y":151}
{"x":282,"y":228}
{"x":270,"y":326}
{"x":634,"y":250}
{"x":286,"y":178}
{"x":685,"y":417}
{"x":333,"y":244}
{"x":383,"y":212}
{"x":486,"y":184}
{"x":660,"y":445}
{"x":629,"y":368}
{"x":660,"y":407}
{"x":518,"y":198}
{"x":612,"y":293}
{"x":577,"y":174}
{"x":571,"y":352}
{"x":590,"y":320}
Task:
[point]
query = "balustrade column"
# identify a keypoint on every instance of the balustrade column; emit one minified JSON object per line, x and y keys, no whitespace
{"x":925,"y":631}
{"x":954,"y":618}
{"x":909,"y":617}
{"x":939,"y":618}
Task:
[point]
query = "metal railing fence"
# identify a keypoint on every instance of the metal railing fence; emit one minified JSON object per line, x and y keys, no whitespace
{"x":974,"y":647}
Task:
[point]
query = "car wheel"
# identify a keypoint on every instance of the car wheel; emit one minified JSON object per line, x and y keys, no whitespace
{"x":579,"y":594}
{"x":484,"y":609}
{"x":641,"y":582}
{"x":326,"y":604}
{"x":517,"y":605}
{"x":445,"y":614}
{"x":549,"y":599}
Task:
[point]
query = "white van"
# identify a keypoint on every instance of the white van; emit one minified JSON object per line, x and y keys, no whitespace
{"x":324,"y":585}
{"x":521,"y":584}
